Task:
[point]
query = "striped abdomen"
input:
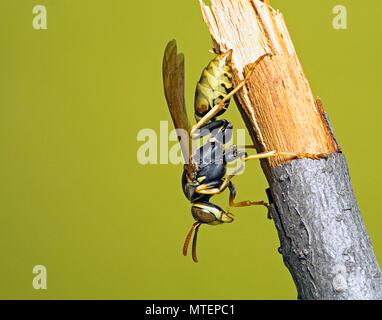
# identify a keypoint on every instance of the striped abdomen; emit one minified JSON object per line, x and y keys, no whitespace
{"x":214,"y":84}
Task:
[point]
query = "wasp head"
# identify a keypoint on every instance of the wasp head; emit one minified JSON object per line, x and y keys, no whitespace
{"x":208,"y":213}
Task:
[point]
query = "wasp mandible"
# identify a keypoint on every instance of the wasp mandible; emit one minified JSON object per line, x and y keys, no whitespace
{"x":204,"y":173}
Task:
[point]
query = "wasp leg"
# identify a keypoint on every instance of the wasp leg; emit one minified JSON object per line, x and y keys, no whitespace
{"x":214,"y":188}
{"x":268,"y":154}
{"x":275,"y":153}
{"x":187,"y":241}
{"x":218,"y":107}
{"x":219,"y":186}
{"x":211,"y":188}
{"x":264,"y":155}
{"x":232,"y":195}
{"x":194,"y":257}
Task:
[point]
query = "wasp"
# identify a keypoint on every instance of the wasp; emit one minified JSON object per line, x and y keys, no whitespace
{"x":204,"y":173}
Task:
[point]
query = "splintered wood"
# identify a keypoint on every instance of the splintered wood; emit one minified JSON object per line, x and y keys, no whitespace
{"x":276,"y":104}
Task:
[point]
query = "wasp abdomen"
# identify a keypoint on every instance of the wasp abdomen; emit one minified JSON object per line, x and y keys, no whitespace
{"x":214,"y":84}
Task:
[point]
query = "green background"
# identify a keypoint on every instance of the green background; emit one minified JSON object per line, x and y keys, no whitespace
{"x":73,"y":196}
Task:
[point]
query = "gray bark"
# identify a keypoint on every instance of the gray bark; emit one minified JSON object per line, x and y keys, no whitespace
{"x":323,"y":238}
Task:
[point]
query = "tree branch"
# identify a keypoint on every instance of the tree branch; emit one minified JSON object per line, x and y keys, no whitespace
{"x":323,"y":239}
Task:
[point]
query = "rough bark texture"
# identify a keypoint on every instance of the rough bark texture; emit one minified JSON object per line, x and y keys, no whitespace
{"x":323,"y":238}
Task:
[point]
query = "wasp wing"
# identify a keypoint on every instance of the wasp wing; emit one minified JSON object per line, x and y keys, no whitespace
{"x":173,"y":81}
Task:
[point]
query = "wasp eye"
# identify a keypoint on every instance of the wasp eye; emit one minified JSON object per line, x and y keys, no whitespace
{"x":209,"y":213}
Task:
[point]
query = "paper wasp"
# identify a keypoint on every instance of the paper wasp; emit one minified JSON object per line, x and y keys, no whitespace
{"x":205,"y":168}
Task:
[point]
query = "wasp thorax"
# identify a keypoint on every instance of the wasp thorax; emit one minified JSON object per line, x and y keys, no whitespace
{"x":209,"y":213}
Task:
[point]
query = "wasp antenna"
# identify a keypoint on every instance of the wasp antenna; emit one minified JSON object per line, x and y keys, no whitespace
{"x":187,"y":241}
{"x":194,"y":257}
